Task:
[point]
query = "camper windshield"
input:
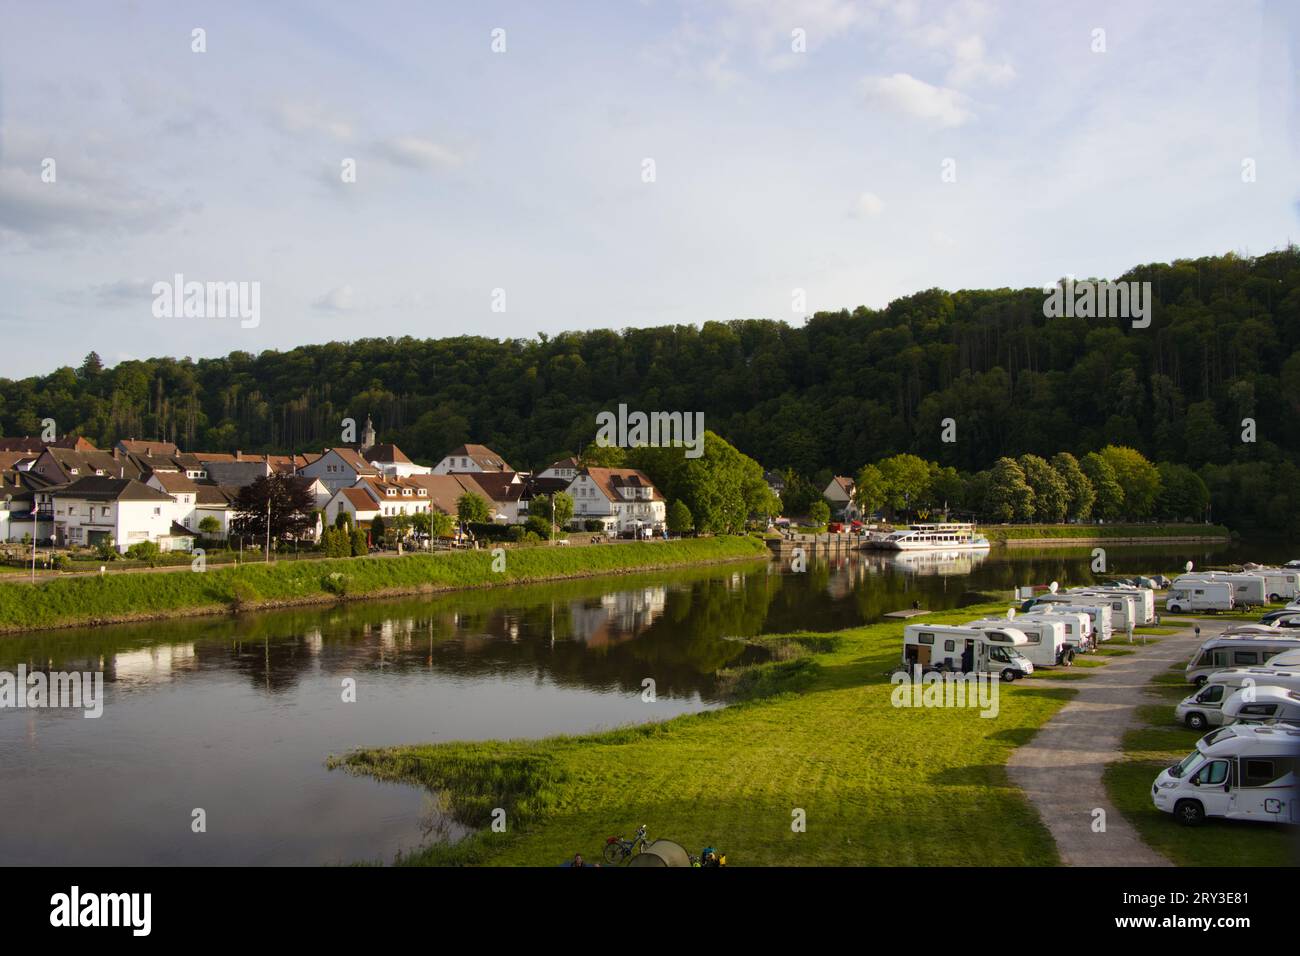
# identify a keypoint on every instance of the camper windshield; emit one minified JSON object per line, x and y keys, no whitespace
{"x":1179,"y":770}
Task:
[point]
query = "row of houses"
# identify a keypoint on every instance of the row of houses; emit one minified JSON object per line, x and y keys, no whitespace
{"x":72,"y":493}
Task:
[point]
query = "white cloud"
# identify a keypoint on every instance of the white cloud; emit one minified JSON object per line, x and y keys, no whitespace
{"x":868,"y":206}
{"x":971,"y":66}
{"x":33,"y":207}
{"x":312,"y":118}
{"x":412,"y":151}
{"x":904,"y":94}
{"x":338,"y":299}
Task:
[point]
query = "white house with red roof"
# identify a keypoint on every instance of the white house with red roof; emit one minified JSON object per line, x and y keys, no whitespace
{"x":471,"y":458}
{"x":623,"y":499}
{"x":339,"y":468}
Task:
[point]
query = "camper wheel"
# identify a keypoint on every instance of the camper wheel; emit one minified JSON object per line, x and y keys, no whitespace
{"x":1174,"y":608}
{"x":1196,"y":721}
{"x":1190,"y":813}
{"x":1275,"y":598}
{"x":1008,"y":675}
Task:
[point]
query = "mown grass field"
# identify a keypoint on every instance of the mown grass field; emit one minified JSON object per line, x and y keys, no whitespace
{"x":1157,"y":742}
{"x":89,"y":600}
{"x":814,"y":731}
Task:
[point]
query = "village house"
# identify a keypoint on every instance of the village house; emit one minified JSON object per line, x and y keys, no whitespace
{"x":215,"y":501}
{"x":61,"y":465}
{"x":622,"y":499}
{"x":471,"y":459}
{"x":839,"y":495}
{"x":339,"y":468}
{"x":389,"y":497}
{"x":565,"y":469}
{"x":183,"y":491}
{"x":94,"y":509}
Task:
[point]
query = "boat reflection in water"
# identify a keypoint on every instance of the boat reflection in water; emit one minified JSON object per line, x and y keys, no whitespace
{"x":945,"y":563}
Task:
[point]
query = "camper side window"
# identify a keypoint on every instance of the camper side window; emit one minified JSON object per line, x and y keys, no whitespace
{"x":1258,"y":710}
{"x":925,"y":638}
{"x":1245,"y":657}
{"x":1211,"y":695}
{"x":1212,"y":774}
{"x":950,"y":645}
{"x":1258,"y":773}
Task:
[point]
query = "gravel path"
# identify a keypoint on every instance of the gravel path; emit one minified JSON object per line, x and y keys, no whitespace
{"x":1060,"y":769}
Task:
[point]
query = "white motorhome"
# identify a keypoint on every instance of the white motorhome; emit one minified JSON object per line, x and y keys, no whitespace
{"x":1123,"y":607}
{"x":1235,"y":650}
{"x":1047,"y":645}
{"x":1248,"y":589}
{"x":1098,"y":613}
{"x":1242,"y":772}
{"x":1198,"y":595}
{"x":1282,"y":584}
{"x":1144,"y":600}
{"x":1287,"y":660}
{"x":992,"y":650}
{"x":1262,"y":704}
{"x":1078,"y":626}
{"x":1204,"y":709}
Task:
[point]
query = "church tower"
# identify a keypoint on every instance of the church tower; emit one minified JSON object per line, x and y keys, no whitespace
{"x":368,"y":435}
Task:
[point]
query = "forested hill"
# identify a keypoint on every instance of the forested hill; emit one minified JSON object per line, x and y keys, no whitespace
{"x":829,"y":395}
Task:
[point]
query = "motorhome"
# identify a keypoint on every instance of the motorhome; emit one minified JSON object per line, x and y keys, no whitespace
{"x":1047,"y":646}
{"x":1204,"y":708}
{"x":1281,"y":584}
{"x":1263,"y":703}
{"x":1078,"y":626}
{"x":1199,"y":595}
{"x":1098,"y":613}
{"x":1144,"y":600}
{"x":1123,"y":607}
{"x":1285,"y":661}
{"x":1248,"y":589}
{"x":1242,"y":772}
{"x":992,"y":650}
{"x":1235,"y":650}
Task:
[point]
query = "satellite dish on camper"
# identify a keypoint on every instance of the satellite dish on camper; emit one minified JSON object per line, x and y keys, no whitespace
{"x":1052,"y":587}
{"x":1187,"y":566}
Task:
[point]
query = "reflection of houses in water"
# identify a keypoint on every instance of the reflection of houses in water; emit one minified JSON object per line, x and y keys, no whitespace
{"x":616,"y":617}
{"x":944,"y":563}
{"x":152,"y":663}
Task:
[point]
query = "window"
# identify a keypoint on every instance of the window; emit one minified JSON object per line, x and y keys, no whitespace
{"x":1258,"y":773}
{"x":1245,"y":657}
{"x":926,"y":638}
{"x":949,"y":645}
{"x":1214,"y":773}
{"x":103,"y":512}
{"x":1211,"y":695}
{"x":157,"y":512}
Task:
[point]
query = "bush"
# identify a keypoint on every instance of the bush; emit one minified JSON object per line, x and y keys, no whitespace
{"x":336,"y":583}
{"x":538,"y":526}
{"x":593,"y":524}
{"x":490,"y":531}
{"x":359,"y":544}
{"x":145,"y":551}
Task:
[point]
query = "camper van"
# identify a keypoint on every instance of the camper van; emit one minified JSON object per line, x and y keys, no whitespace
{"x":1078,"y":626}
{"x":1204,"y":709}
{"x":1287,"y":660}
{"x":1199,"y":595}
{"x":1242,"y":772}
{"x":1235,"y":650}
{"x":1123,"y":606}
{"x":1098,"y":612}
{"x":1263,"y":704}
{"x":982,"y":650}
{"x":1248,"y":589}
{"x":1282,"y":584}
{"x":1144,"y":600}
{"x":1047,"y":646}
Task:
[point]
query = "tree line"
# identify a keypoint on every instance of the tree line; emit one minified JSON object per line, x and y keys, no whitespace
{"x":815,"y":399}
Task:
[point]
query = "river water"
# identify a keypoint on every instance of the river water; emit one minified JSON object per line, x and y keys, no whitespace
{"x":235,"y":717}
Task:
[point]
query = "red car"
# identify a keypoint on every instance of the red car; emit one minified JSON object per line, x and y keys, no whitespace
{"x":835,"y":527}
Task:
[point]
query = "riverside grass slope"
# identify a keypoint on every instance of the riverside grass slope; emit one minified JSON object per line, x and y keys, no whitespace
{"x":813,"y":730}
{"x":1066,"y":532}
{"x":127,"y":597}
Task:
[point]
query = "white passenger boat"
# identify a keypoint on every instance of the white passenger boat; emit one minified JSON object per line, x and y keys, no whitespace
{"x":953,"y":536}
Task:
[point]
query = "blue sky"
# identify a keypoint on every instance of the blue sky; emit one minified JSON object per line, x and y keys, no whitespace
{"x":775,"y":170}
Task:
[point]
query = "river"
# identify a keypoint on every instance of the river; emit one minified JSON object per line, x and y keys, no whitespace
{"x":235,"y":717}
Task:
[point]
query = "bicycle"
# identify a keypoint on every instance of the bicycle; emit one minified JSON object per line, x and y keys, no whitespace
{"x":618,"y":849}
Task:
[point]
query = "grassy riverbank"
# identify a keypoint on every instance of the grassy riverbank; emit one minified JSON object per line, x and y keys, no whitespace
{"x":128,"y":597}
{"x":1065,"y":532}
{"x":1156,"y":742}
{"x":814,"y":730}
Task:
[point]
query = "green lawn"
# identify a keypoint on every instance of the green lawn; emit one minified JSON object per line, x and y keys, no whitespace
{"x":1065,"y":531}
{"x":1157,"y":741}
{"x":816,"y":732}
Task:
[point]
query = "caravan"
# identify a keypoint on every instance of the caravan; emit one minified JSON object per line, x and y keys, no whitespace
{"x":1123,"y":607}
{"x":981,"y":650}
{"x":1047,"y":645}
{"x":1097,"y":611}
{"x":1281,"y":584}
{"x":1263,"y":704}
{"x":1248,"y":589}
{"x":1198,"y":595}
{"x":1236,"y":650}
{"x":1243,"y":772}
{"x":1078,"y":626}
{"x":1204,"y":709}
{"x":1144,"y":600}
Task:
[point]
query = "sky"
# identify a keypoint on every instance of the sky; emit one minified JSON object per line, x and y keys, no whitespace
{"x":526,"y":168}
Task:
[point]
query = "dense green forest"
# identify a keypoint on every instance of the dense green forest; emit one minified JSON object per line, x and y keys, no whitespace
{"x":828,"y":396}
